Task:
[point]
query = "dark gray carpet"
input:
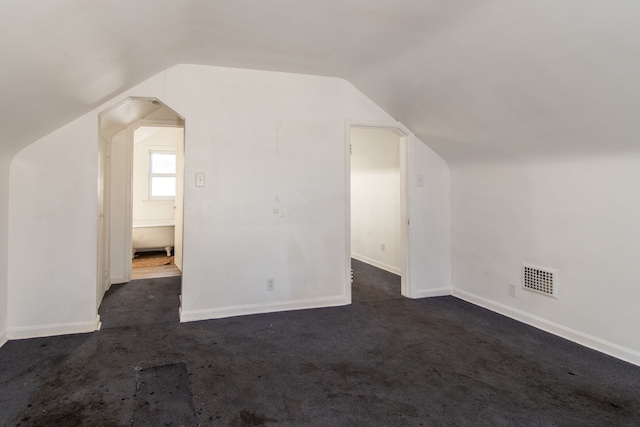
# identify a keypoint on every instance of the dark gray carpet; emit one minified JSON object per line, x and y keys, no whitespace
{"x":163,"y":397}
{"x":384,"y":360}
{"x":141,"y":302}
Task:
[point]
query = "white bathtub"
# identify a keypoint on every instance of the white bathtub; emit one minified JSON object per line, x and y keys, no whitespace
{"x":152,"y":236}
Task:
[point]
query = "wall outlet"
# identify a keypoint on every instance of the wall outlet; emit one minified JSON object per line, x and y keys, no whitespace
{"x":271,"y":284}
{"x":382,"y":247}
{"x":511,"y":290}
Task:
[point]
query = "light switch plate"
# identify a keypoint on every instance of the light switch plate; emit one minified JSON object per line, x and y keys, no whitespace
{"x":200,"y":179}
{"x":420,"y":180}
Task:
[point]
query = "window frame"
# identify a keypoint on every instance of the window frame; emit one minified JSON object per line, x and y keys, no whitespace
{"x":160,"y":175}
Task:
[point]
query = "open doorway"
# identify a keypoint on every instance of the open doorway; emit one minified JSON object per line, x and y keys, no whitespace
{"x":159,"y":133}
{"x":377,"y":211}
{"x":155,"y":242}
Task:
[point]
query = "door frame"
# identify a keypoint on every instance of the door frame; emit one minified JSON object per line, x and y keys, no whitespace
{"x":406,"y":142}
{"x":103,"y":265}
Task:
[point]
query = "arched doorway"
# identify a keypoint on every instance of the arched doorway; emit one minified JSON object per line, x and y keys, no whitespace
{"x":151,"y":121}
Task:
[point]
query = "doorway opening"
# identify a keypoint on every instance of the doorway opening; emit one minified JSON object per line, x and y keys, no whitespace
{"x":154,"y":201}
{"x":377,"y":209}
{"x":141,"y":191}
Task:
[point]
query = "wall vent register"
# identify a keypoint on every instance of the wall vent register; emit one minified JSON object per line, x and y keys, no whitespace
{"x":541,"y":280}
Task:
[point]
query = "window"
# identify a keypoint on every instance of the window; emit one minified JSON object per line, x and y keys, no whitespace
{"x":162,"y":174}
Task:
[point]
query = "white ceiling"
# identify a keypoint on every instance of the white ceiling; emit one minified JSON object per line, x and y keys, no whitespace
{"x":474,"y":79}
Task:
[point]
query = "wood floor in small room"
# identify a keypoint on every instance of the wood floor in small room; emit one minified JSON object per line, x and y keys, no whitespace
{"x":149,"y":265}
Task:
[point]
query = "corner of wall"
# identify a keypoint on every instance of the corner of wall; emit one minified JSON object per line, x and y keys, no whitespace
{"x":360,"y":106}
{"x":4,"y":243}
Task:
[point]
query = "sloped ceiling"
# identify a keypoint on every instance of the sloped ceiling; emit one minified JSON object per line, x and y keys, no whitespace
{"x":473,"y":79}
{"x":125,"y":113}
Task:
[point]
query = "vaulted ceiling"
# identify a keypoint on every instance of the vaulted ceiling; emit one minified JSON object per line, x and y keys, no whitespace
{"x":473,"y":79}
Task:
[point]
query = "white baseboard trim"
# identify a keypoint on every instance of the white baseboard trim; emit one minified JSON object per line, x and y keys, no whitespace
{"x":3,"y":338}
{"x":427,"y":293}
{"x":242,"y":310}
{"x":578,"y":337}
{"x":23,"y":332}
{"x":381,"y":265}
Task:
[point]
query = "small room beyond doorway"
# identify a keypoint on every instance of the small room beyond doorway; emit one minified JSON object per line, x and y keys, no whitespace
{"x":154,"y":186}
{"x":376,"y":208}
{"x":145,"y":205}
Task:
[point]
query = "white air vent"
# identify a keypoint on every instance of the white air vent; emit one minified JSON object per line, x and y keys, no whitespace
{"x":538,"y":279}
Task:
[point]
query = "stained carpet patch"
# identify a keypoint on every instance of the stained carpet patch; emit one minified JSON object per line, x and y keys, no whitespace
{"x":163,"y":397}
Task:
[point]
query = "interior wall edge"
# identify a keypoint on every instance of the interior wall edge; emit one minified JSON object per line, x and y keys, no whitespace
{"x":578,"y":337}
{"x":5,"y":161}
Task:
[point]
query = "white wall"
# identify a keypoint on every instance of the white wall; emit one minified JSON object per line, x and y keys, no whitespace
{"x":53,"y":233}
{"x":375,"y":198}
{"x":147,"y":211}
{"x":579,"y":215}
{"x":430,"y":214}
{"x":120,"y":252}
{"x":272,"y":146}
{"x":273,"y":151}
